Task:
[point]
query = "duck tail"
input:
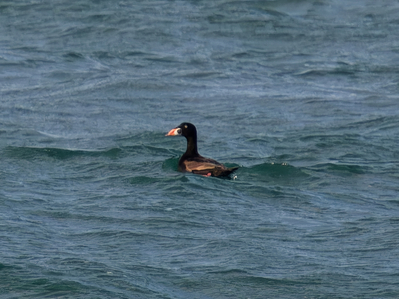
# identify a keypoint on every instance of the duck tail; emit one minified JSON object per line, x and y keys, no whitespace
{"x":229,"y":171}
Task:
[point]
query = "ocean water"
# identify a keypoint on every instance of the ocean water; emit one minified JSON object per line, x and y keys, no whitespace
{"x":302,"y":95}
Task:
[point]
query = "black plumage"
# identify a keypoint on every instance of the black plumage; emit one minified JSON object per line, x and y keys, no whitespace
{"x":192,"y":161}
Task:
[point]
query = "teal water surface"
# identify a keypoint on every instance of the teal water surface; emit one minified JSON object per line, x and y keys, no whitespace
{"x":302,"y":95}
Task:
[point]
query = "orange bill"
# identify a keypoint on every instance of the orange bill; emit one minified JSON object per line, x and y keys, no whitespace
{"x":173,"y":132}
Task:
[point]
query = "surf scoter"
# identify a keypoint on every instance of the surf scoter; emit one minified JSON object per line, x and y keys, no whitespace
{"x":192,"y":161}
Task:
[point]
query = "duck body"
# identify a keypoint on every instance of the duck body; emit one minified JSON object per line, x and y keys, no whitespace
{"x":192,"y":161}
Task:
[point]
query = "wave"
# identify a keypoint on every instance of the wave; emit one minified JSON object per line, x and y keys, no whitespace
{"x":341,"y":168}
{"x":264,"y":172}
{"x":57,"y":153}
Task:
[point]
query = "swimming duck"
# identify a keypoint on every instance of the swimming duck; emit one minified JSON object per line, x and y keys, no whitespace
{"x":192,"y":161}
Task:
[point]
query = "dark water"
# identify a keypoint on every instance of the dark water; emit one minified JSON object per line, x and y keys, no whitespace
{"x":303,"y":95}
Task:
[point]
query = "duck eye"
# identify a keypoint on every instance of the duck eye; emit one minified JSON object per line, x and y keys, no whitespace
{"x":185,"y":126}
